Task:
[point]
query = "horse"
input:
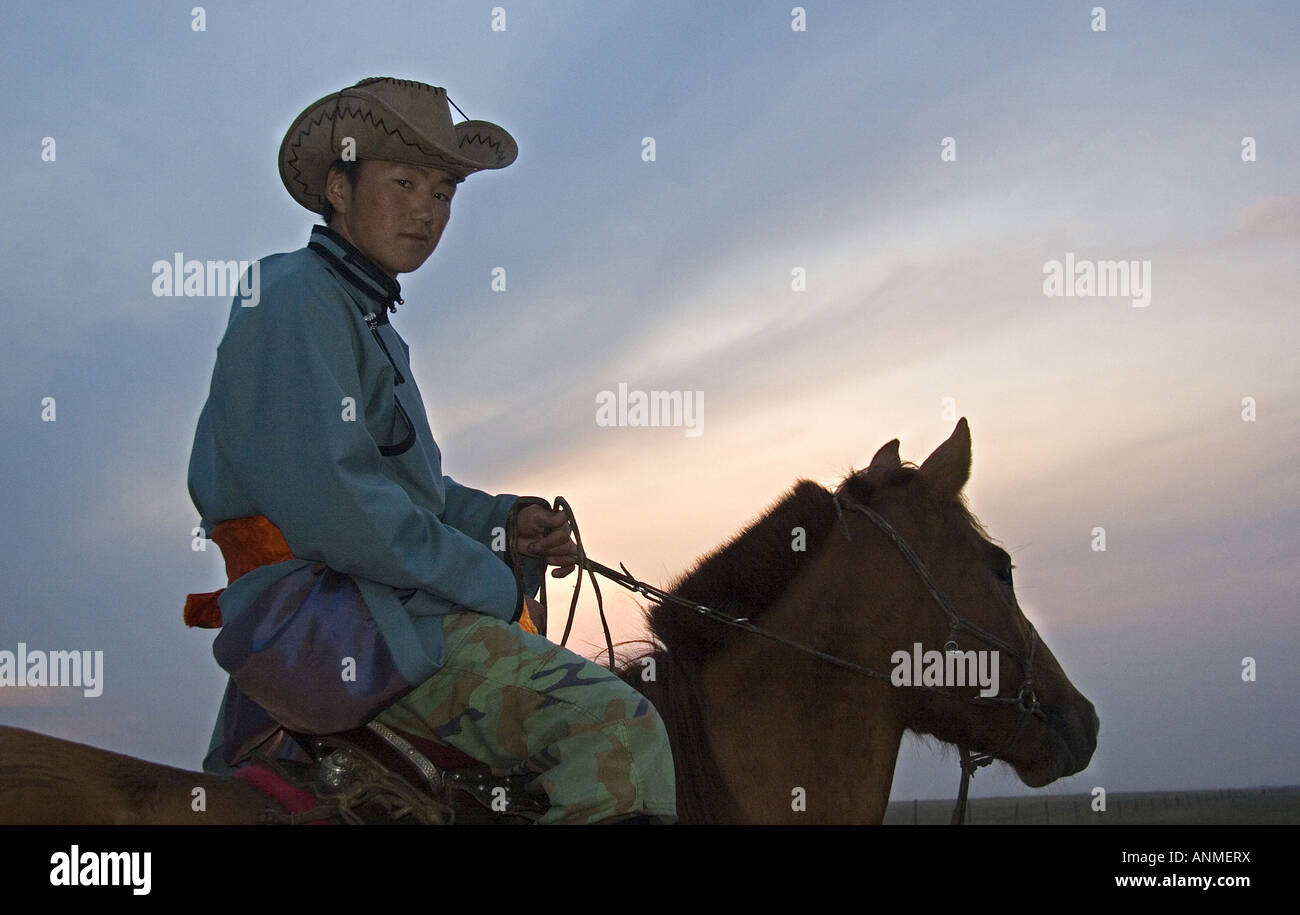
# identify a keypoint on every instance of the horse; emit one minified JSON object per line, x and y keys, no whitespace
{"x":771,"y":680}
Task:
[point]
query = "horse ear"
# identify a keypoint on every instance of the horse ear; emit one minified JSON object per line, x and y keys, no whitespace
{"x":886,"y":458}
{"x":946,"y":471}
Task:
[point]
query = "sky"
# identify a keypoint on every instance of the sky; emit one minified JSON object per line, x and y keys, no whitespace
{"x":820,"y":150}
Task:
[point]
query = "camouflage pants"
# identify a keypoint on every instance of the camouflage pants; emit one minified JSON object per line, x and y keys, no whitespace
{"x":524,"y":705}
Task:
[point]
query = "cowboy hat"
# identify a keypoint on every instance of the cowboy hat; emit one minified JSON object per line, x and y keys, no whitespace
{"x":395,"y":119}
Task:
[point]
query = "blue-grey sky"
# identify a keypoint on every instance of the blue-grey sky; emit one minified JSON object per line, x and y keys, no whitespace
{"x":775,"y":149}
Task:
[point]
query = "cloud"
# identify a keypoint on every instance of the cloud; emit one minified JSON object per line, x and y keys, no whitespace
{"x":1272,"y":217}
{"x":41,"y":696}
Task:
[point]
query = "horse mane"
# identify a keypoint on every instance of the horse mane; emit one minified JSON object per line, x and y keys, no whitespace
{"x":745,"y":575}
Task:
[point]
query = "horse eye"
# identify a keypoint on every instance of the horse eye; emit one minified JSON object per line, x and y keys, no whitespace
{"x":1004,"y":575}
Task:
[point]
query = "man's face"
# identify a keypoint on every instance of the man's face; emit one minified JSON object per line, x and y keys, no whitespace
{"x":395,"y":214}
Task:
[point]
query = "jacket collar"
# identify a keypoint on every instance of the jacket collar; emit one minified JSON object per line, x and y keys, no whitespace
{"x":357,"y":269}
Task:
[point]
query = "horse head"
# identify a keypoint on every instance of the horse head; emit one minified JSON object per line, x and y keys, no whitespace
{"x":955,"y":587}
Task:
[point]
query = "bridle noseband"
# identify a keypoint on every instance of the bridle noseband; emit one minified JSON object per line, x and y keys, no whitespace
{"x":1026,"y":698}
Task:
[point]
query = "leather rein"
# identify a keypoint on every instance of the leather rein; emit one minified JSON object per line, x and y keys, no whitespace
{"x":1026,"y":698}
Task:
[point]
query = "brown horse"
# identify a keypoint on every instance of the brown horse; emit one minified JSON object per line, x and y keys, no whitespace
{"x":762,"y":730}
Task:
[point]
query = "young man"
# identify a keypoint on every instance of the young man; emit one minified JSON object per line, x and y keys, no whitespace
{"x":315,"y":423}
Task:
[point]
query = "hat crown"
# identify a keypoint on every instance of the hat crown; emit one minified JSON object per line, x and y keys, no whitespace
{"x":423,"y":106}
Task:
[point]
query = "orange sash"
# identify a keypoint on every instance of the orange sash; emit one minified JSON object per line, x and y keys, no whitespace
{"x":247,"y":544}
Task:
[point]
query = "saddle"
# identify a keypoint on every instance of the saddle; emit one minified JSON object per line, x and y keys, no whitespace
{"x":378,"y":775}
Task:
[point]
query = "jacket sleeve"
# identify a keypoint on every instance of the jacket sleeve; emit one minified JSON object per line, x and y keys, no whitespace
{"x":475,"y":512}
{"x":481,"y":516}
{"x":283,"y":378}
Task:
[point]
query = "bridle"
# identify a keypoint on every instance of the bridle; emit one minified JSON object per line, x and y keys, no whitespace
{"x":1025,"y":699}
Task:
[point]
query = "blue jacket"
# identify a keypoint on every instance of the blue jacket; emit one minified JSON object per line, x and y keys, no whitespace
{"x":314,"y":420}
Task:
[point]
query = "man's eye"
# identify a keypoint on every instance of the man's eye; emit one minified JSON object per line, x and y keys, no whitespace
{"x":402,"y":181}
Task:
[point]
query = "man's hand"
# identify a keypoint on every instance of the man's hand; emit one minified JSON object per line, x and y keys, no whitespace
{"x":547,"y":534}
